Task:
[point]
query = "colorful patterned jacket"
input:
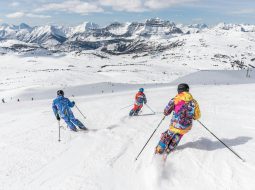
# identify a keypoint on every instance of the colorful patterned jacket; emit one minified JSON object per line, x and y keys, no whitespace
{"x":185,"y":109}
{"x":140,"y":98}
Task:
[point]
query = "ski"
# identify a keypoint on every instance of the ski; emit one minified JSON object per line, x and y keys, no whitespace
{"x":78,"y":129}
{"x":165,"y":155}
{"x":146,"y":114}
{"x":83,"y":129}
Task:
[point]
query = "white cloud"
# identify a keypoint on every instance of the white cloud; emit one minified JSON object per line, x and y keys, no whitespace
{"x":15,"y":15}
{"x":142,"y":5}
{"x":15,"y":4}
{"x":95,"y":6}
{"x":23,"y":14}
{"x":73,"y":6}
{"x":31,"y":15}
{"x":161,"y":4}
{"x":124,"y":5}
{"x":1,"y":20}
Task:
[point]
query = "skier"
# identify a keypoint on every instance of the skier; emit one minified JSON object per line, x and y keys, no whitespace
{"x":62,"y":108}
{"x":140,"y":98}
{"x":3,"y":101}
{"x":184,"y":109}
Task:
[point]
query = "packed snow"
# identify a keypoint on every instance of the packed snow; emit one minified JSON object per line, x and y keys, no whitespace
{"x":32,"y":157}
{"x":103,"y":157}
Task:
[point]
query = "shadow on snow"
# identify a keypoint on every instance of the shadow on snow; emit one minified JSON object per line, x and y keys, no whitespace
{"x":209,"y":145}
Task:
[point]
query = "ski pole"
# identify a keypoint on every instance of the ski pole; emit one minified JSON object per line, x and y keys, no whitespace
{"x":80,"y":112}
{"x":221,"y":141}
{"x":58,"y":131}
{"x":150,"y":108}
{"x":159,"y":112}
{"x":149,"y":138}
{"x":126,"y":107}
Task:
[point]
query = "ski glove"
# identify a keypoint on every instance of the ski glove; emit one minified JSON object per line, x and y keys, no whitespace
{"x":73,"y":102}
{"x":58,"y":118}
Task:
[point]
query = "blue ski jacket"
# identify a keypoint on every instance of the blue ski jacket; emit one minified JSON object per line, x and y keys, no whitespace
{"x":62,"y":106}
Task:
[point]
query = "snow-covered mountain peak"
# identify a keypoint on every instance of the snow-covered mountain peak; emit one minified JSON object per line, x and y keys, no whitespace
{"x":85,"y":26}
{"x":233,"y":27}
{"x":198,"y":26}
{"x":4,"y":26}
{"x":24,"y":26}
{"x":44,"y":30}
{"x":21,"y":26}
{"x":118,"y":28}
{"x":157,"y":22}
{"x":116,"y":38}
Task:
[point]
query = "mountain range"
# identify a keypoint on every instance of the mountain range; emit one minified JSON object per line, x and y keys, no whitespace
{"x":153,"y":35}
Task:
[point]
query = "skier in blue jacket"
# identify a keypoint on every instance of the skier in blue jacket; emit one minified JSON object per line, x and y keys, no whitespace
{"x":62,"y":108}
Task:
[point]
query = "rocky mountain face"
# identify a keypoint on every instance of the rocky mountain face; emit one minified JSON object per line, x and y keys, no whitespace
{"x":116,"y":38}
{"x":153,"y":35}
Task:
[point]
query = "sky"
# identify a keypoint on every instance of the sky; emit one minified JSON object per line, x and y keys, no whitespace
{"x":103,"y":12}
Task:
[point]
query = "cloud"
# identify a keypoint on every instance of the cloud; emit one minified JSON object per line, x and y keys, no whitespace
{"x":162,"y":4}
{"x":14,"y":4}
{"x":89,"y":6}
{"x":142,"y":5}
{"x":23,"y":14}
{"x":1,"y":20}
{"x":124,"y":5}
{"x":72,"y":6}
{"x":15,"y":15}
{"x":31,"y":15}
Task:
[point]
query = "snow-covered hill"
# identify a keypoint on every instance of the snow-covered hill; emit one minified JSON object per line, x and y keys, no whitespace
{"x":32,"y":157}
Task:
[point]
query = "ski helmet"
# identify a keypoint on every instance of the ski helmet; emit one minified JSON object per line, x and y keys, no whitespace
{"x":183,"y":87}
{"x":60,"y":93}
{"x":141,"y":89}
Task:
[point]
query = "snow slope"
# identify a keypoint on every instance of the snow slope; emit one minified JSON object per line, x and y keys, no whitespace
{"x":55,"y":71}
{"x":103,"y":157}
{"x":221,"y":77}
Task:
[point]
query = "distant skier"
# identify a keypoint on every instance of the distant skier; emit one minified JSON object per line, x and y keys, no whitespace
{"x":62,"y":108}
{"x":3,"y":100}
{"x":140,"y":99}
{"x":184,"y":109}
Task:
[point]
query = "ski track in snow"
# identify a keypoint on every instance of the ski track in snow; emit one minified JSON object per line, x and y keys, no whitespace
{"x":103,"y":157}
{"x":109,"y":147}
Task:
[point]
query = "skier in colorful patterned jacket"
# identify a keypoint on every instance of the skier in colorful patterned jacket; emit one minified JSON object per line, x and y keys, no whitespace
{"x":62,"y":108}
{"x":140,"y":99}
{"x":184,"y":109}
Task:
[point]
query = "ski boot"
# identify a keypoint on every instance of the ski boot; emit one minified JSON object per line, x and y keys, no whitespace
{"x":136,"y":112}
{"x":83,"y":128}
{"x":80,"y":125}
{"x":160,"y":148}
{"x":165,"y":140}
{"x":131,"y":113}
{"x":73,"y":129}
